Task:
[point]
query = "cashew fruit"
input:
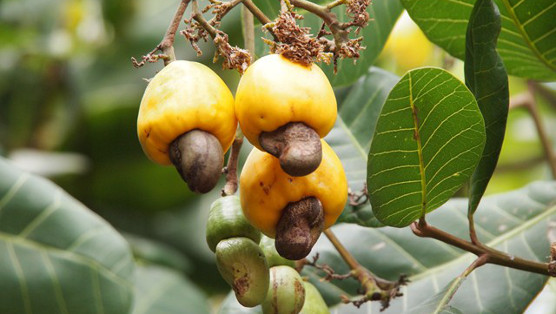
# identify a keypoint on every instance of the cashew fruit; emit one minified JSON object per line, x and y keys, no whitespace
{"x":272,"y":256}
{"x":187,"y":118}
{"x":243,"y":266}
{"x":270,"y":198}
{"x":226,"y":220}
{"x":286,"y":292}
{"x":284,"y":108}
{"x":314,"y":303}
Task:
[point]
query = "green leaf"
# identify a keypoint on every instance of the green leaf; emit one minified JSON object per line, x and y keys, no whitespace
{"x":56,"y":256}
{"x":158,"y":253}
{"x":486,"y":77}
{"x":383,"y":13}
{"x":527,"y":39}
{"x":428,"y":140}
{"x":159,"y":290}
{"x":359,"y":108}
{"x":514,"y":222}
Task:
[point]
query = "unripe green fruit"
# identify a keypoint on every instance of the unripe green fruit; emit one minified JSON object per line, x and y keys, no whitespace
{"x":272,"y":256}
{"x":226,"y":220}
{"x":242,"y":264}
{"x":286,"y":293}
{"x":314,"y":303}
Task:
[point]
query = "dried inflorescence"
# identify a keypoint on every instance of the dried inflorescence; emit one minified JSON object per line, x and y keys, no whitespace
{"x":195,"y":32}
{"x":357,"y":11}
{"x":295,"y":42}
{"x":151,"y":57}
{"x":198,"y":28}
{"x":234,"y":57}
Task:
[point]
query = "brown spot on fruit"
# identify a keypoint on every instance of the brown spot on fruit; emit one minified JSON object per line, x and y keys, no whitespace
{"x":241,"y":285}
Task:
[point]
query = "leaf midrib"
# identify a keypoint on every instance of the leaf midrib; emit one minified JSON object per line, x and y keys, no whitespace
{"x":525,"y":36}
{"x":72,"y":256}
{"x":419,"y":149}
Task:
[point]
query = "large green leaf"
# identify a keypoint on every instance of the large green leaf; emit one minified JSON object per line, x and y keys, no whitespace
{"x":515,"y":222}
{"x":159,"y":290}
{"x":486,"y":77}
{"x":527,"y":41}
{"x":427,"y":142}
{"x":383,"y":13}
{"x":56,"y":256}
{"x":350,"y":138}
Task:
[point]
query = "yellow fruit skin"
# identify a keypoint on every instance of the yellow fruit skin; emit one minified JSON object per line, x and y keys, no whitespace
{"x":265,"y":189}
{"x":181,"y":97}
{"x":409,"y":47}
{"x":275,"y":91}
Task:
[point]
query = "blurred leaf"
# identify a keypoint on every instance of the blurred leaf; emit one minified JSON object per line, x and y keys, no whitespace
{"x":230,"y":305}
{"x":351,"y":136}
{"x":486,"y":77}
{"x":428,"y":140}
{"x":56,"y":256}
{"x":514,"y":222}
{"x":155,"y":252}
{"x":526,"y":43}
{"x":162,"y":291}
{"x":383,"y":13}
{"x":438,"y":303}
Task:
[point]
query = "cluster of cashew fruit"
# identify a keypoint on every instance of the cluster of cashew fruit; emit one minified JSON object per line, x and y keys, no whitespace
{"x":292,"y":186}
{"x":250,"y":264}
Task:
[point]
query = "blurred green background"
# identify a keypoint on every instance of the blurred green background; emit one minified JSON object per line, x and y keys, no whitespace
{"x":69,"y":97}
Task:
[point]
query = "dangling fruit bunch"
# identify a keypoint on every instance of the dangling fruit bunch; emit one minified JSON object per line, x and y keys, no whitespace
{"x":292,"y":186}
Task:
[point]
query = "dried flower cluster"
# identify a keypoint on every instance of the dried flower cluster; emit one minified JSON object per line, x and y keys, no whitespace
{"x":295,"y":42}
{"x":357,"y":11}
{"x":198,"y":28}
{"x":234,"y":57}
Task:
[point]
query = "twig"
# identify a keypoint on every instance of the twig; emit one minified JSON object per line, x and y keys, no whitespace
{"x":543,"y":91}
{"x":527,"y":100}
{"x":373,"y":287}
{"x":256,"y":12}
{"x":231,"y":185}
{"x":166,"y":46}
{"x":423,"y":229}
{"x":198,"y":16}
{"x":472,"y":232}
{"x":248,"y":30}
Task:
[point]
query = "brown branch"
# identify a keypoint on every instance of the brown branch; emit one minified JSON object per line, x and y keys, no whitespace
{"x":248,"y":30}
{"x":166,"y":46}
{"x":231,"y":185}
{"x":374,"y":288}
{"x":423,"y":229}
{"x":472,"y":232}
{"x":527,"y":100}
{"x":546,"y":93}
{"x":256,"y":12}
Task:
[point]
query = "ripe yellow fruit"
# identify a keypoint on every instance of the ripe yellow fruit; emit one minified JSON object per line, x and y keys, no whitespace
{"x":182,"y":97}
{"x":408,"y":46}
{"x":266,"y":190}
{"x":275,"y":91}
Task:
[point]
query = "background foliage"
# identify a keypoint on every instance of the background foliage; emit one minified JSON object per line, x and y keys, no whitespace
{"x":68,"y":105}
